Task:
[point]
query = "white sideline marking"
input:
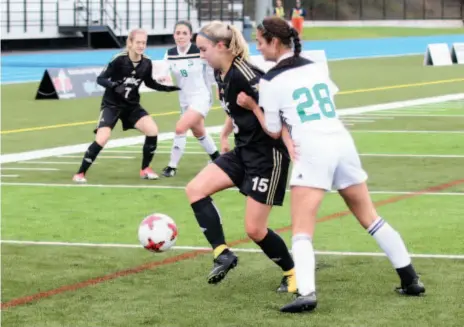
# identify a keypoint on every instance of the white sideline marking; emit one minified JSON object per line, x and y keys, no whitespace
{"x":382,"y":115}
{"x":405,"y":131}
{"x":358,"y":120}
{"x":138,"y":246}
{"x":13,"y":176}
{"x":99,"y":157}
{"x":411,"y":155}
{"x":52,"y":162}
{"x":80,"y":148}
{"x":171,"y":187}
{"x":28,"y":169}
{"x":405,"y":155}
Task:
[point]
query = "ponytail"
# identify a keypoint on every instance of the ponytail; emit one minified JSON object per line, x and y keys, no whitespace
{"x":217,"y":31}
{"x":296,"y":42}
{"x":238,"y":46}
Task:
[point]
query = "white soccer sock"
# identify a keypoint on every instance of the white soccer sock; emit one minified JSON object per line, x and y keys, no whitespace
{"x":305,"y":263}
{"x":208,"y":144}
{"x":390,"y":242}
{"x":178,"y":147}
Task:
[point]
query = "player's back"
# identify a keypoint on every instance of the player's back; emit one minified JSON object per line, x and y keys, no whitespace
{"x":192,"y":74}
{"x":243,"y":77}
{"x":305,"y":96}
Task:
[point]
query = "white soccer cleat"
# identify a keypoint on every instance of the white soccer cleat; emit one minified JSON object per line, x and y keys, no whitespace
{"x":79,"y":178}
{"x":149,"y":174}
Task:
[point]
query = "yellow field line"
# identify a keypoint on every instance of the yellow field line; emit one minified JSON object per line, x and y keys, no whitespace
{"x":373,"y":89}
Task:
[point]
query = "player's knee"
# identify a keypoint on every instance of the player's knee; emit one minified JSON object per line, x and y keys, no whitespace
{"x":193,"y":191}
{"x":181,"y":128}
{"x":256,"y":232}
{"x":198,"y":131}
{"x":103,"y":135}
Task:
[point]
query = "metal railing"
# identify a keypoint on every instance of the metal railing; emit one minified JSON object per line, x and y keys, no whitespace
{"x":29,"y":15}
{"x":379,"y":9}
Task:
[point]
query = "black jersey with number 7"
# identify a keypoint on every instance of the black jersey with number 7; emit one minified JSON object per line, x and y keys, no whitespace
{"x":122,"y":78}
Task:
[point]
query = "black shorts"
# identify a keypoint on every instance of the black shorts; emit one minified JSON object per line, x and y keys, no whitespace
{"x":109,"y":116}
{"x":260,"y":173}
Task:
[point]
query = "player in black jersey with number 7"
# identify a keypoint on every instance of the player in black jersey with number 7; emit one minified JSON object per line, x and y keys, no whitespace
{"x":121,"y":101}
{"x":258,"y":165}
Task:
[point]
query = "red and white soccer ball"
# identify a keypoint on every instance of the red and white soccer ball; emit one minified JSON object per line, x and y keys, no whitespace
{"x":157,"y":232}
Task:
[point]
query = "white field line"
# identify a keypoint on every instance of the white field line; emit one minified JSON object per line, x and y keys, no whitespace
{"x":371,"y":116}
{"x":189,"y":248}
{"x":411,"y":155}
{"x":358,"y":120}
{"x":405,"y":132}
{"x":170,"y":187}
{"x":385,"y":115}
{"x":12,"y":176}
{"x":80,"y":148}
{"x":51,"y":163}
{"x":99,"y":157}
{"x":405,"y":155}
{"x":28,"y":169}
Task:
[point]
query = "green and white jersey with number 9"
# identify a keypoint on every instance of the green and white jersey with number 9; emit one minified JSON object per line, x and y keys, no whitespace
{"x":194,"y":76}
{"x":302,"y":96}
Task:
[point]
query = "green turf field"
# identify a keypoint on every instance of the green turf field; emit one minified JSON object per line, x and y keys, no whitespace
{"x":414,"y":156}
{"x":331,"y":33}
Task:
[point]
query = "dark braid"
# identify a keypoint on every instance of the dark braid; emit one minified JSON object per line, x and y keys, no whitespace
{"x":296,"y":42}
{"x":275,"y":27}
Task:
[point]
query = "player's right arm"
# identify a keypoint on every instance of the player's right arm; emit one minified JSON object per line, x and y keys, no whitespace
{"x":104,"y":79}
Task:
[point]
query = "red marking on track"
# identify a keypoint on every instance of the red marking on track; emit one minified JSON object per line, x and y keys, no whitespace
{"x":193,"y":254}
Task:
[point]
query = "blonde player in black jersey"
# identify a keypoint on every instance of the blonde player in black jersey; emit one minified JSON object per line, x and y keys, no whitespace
{"x":258,"y":165}
{"x":122,"y":78}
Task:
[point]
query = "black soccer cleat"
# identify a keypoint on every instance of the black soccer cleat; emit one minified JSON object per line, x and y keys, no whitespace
{"x":301,"y":304}
{"x":416,"y":288}
{"x":222,"y":265}
{"x":169,"y":171}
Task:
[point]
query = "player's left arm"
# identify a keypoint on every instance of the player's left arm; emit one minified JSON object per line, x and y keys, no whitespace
{"x":152,"y":84}
{"x":269,"y":115}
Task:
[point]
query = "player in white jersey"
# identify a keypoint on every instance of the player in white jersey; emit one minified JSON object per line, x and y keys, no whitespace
{"x":195,"y":77}
{"x":298,"y":102}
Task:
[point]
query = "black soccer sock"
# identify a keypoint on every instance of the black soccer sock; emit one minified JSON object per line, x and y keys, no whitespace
{"x":276,"y":249}
{"x":407,"y":274}
{"x":149,"y":149}
{"x":209,"y":220}
{"x":89,"y":157}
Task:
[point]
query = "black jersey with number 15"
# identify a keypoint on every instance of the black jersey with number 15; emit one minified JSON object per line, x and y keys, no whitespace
{"x":243,"y":77}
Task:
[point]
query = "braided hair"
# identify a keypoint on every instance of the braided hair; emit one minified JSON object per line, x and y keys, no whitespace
{"x":275,"y":27}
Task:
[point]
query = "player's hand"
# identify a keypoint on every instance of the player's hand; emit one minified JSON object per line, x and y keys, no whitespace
{"x":245,"y":101}
{"x":225,"y":146}
{"x":292,"y":149}
{"x":165,"y":79}
{"x":120,"y":89}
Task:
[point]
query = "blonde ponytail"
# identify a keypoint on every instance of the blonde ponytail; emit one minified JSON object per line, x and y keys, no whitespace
{"x":217,"y":31}
{"x":238,"y":46}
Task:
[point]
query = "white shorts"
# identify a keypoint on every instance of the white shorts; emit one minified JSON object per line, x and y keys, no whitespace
{"x":328,"y":162}
{"x":200,"y":105}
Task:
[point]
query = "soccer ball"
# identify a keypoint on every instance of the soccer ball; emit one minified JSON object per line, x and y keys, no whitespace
{"x":157,"y":232}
